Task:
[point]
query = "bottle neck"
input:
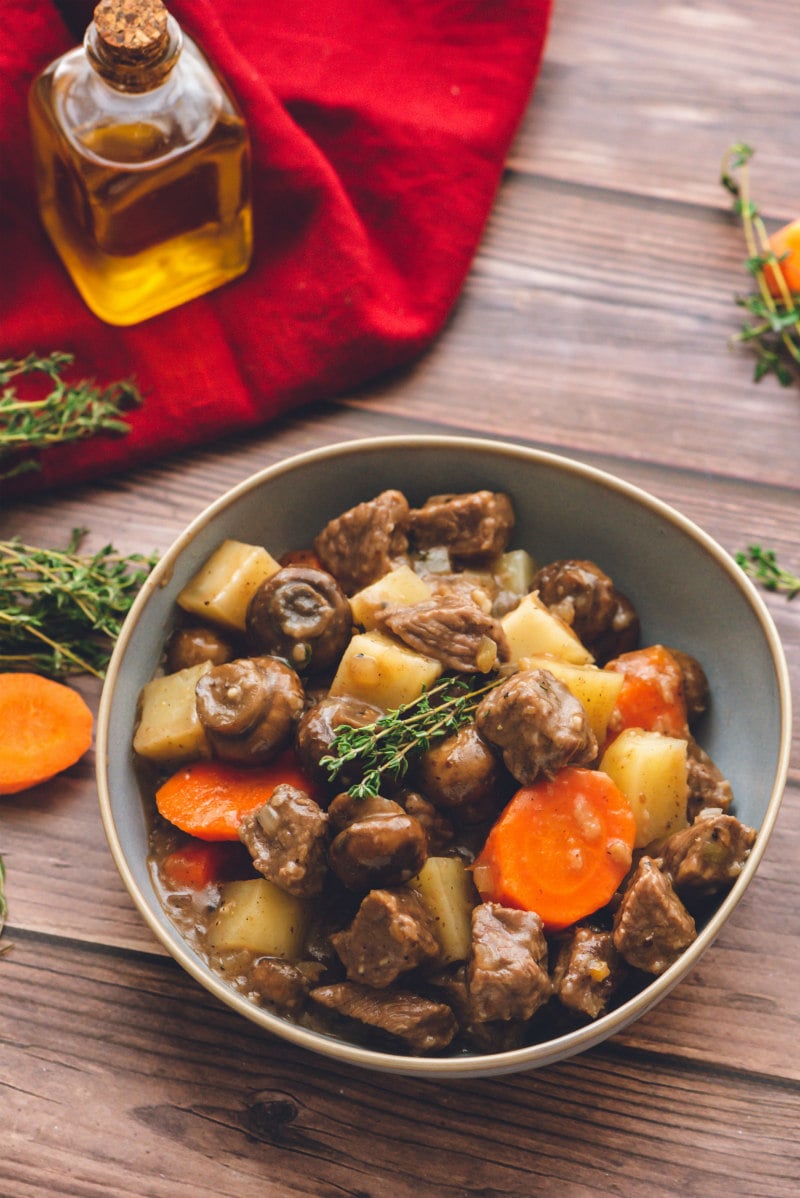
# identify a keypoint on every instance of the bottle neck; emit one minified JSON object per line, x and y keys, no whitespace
{"x":134,"y":54}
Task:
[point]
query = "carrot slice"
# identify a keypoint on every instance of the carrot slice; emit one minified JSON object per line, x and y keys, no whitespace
{"x":45,"y":727}
{"x":209,"y":799}
{"x":199,"y":864}
{"x":785,"y":241}
{"x":560,"y":848}
{"x":652,"y":694}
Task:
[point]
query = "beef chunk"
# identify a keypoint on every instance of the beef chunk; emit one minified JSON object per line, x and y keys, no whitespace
{"x":390,"y":934}
{"x":452,"y":630}
{"x":584,"y":597}
{"x":472,"y":526}
{"x":365,"y":542}
{"x":707,"y":785}
{"x":507,"y":968}
{"x":287,"y":839}
{"x":377,"y":842}
{"x":462,"y":775}
{"x":422,"y":1025}
{"x":707,"y":855}
{"x":499,"y":1035}
{"x":587,"y":971}
{"x":538,"y":724}
{"x":439,"y":831}
{"x":285,"y":985}
{"x":651,"y":926}
{"x":696,"y":690}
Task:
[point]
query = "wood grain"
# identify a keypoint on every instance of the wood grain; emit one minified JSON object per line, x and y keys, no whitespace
{"x":596,"y":322}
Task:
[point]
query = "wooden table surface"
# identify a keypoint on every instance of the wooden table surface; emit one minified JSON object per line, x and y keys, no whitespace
{"x":595,"y":322}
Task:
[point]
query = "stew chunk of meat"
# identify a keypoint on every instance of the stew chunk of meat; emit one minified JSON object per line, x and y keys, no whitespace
{"x":422,"y":1025}
{"x":286,"y":839}
{"x":651,"y":926}
{"x":538,"y":725}
{"x":708,"y":787}
{"x":390,"y":934}
{"x":584,"y":597}
{"x":476,"y":525}
{"x":709,"y":854}
{"x":587,"y":971}
{"x":507,"y":969}
{"x":451,"y":629}
{"x":364,"y":543}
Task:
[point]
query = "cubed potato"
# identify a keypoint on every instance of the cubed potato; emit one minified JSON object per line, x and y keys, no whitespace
{"x":169,"y":729}
{"x":514,"y":571}
{"x":398,"y":588}
{"x":448,"y":894}
{"x":650,"y":770}
{"x":259,"y":917}
{"x":596,"y":689}
{"x":531,"y":630}
{"x":383,"y":672}
{"x":221,"y":590}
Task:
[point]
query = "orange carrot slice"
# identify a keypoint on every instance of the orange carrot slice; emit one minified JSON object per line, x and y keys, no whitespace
{"x":652,"y":694}
{"x":45,"y":727}
{"x":785,"y":241}
{"x":209,"y":799}
{"x":560,"y":848}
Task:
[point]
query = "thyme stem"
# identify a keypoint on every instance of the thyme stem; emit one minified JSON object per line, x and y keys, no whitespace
{"x":384,"y":748}
{"x":762,"y":565}
{"x":68,"y":412}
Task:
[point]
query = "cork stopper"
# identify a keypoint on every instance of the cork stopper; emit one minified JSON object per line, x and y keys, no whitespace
{"x":132,"y":30}
{"x":133,"y":44}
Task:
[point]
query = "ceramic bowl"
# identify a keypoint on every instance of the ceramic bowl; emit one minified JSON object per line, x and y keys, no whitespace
{"x":688,"y":592}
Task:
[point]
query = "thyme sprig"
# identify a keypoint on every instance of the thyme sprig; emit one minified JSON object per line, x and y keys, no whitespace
{"x":762,"y":565}
{"x":60,"y":610}
{"x":67,"y":412}
{"x":3,"y":906}
{"x":772,"y":326}
{"x":385,"y":748}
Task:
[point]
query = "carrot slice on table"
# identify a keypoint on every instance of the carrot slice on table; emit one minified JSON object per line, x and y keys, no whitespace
{"x":209,"y":799}
{"x":652,"y":694}
{"x":45,"y":727}
{"x":785,"y":241}
{"x":560,"y":848}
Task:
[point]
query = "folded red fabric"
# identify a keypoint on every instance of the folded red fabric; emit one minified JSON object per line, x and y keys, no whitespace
{"x":380,"y":130}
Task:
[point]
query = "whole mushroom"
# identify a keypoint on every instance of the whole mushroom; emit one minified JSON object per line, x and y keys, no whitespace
{"x":302,"y":615}
{"x":249,"y":708}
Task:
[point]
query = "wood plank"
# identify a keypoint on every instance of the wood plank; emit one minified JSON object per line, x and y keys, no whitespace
{"x":649,"y":97}
{"x":130,"y":1081}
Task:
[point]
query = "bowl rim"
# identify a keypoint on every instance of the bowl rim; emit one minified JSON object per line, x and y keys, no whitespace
{"x":560,"y":1047}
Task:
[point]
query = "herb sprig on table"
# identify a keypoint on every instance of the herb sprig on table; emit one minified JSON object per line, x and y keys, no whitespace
{"x":60,"y":610}
{"x":3,"y":906}
{"x":384,"y":749}
{"x":772,"y":325}
{"x":67,"y":412}
{"x":762,"y":566}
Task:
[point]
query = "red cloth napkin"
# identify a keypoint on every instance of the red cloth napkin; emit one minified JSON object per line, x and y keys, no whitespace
{"x":379,"y":129}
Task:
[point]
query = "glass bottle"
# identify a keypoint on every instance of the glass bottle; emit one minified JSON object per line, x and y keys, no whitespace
{"x":142,"y":165}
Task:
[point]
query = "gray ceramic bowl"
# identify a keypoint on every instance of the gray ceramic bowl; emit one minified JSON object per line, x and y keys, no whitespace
{"x":687,"y":590}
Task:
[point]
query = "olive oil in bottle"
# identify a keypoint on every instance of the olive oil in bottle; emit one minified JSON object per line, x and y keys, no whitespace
{"x":142,"y":165}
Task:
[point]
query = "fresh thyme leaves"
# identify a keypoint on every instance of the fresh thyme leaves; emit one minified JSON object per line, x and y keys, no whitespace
{"x":762,"y":565}
{"x":772,"y":326}
{"x":384,"y":749}
{"x":60,"y":610}
{"x":68,"y":412}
